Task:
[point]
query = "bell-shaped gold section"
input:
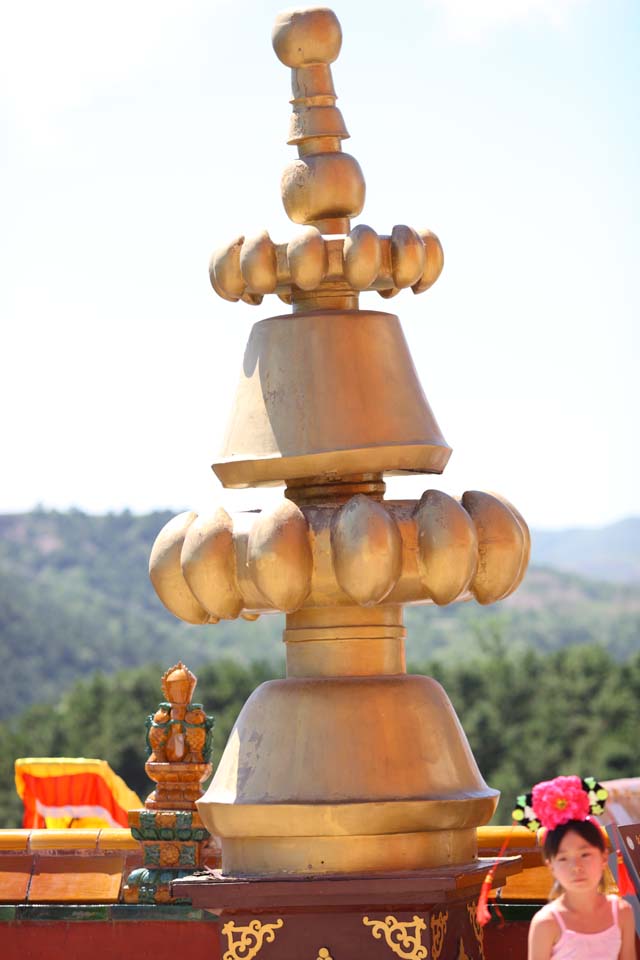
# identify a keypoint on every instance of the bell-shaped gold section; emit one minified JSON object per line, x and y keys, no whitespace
{"x":367,"y":769}
{"x":329,"y":394}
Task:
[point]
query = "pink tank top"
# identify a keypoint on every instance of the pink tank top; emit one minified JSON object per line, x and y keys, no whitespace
{"x":589,"y":946}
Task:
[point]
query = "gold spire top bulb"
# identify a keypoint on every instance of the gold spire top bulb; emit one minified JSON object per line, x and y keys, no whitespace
{"x":306,"y":38}
{"x":324,"y":187}
{"x":328,"y":264}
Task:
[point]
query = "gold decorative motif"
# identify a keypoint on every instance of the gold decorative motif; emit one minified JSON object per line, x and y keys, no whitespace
{"x":243,"y":943}
{"x":398,"y":936}
{"x":438,"y":930}
{"x":462,"y":954}
{"x":477,"y":929}
{"x":323,"y":954}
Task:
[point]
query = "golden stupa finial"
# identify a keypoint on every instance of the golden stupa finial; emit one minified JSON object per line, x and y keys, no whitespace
{"x":325,"y":187}
{"x":328,"y":264}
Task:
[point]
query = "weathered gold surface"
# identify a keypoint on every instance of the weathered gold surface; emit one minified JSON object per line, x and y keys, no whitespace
{"x":285,"y":762}
{"x":279,"y":557}
{"x":316,"y":855}
{"x":309,"y":776}
{"x":166,"y":574}
{"x":328,"y":394}
{"x":366,"y":548}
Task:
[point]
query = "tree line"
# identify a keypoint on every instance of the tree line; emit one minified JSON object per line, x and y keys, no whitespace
{"x":528,"y":715}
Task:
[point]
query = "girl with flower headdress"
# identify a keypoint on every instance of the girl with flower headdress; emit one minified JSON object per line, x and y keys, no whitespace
{"x":581,"y":921}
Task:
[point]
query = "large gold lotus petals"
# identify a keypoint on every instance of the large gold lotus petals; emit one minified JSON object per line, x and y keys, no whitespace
{"x":362,"y":254}
{"x":246,"y":269}
{"x":279,"y":557}
{"x":437,"y":550}
{"x":258,"y":264}
{"x":526,"y":553}
{"x":367,"y":550}
{"x":447,"y":546}
{"x":208,"y":560}
{"x":224,"y":271}
{"x":166,"y":575}
{"x":407,"y":256}
{"x":433,"y":263}
{"x":503,"y":545}
{"x":307,"y":259}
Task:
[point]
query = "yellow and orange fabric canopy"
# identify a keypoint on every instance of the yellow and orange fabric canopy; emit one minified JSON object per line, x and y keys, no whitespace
{"x":60,"y":792}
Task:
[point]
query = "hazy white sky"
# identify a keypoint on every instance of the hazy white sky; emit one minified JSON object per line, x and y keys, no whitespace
{"x":137,"y":136}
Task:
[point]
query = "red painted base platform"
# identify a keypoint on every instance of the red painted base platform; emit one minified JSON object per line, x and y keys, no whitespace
{"x":411,"y":916}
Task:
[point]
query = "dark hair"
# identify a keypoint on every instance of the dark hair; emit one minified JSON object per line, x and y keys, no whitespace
{"x":589,"y":831}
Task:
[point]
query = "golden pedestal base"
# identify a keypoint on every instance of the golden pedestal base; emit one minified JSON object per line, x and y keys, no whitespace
{"x":343,"y":775}
{"x":318,"y":855}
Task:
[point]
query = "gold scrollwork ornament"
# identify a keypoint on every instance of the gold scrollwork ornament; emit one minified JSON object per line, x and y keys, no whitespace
{"x":323,"y":954}
{"x":477,"y":929}
{"x":243,"y":943}
{"x":462,"y":954}
{"x":399,"y":936}
{"x":438,"y":930}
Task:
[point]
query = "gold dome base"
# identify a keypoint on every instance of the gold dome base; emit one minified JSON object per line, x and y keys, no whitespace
{"x":377,"y":853}
{"x":344,"y":775}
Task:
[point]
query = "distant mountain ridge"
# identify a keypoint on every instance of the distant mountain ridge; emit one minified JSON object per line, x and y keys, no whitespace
{"x":603,"y":553}
{"x":75,"y":598}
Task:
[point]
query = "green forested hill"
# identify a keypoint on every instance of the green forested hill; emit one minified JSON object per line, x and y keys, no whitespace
{"x":76,"y":607}
{"x":75,"y":598}
{"x":528,"y":717}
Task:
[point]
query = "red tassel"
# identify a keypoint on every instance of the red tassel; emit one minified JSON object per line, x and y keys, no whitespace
{"x":483,"y":914}
{"x":625,"y":883}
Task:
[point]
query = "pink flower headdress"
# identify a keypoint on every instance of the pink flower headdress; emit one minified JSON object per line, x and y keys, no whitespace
{"x":554,"y":802}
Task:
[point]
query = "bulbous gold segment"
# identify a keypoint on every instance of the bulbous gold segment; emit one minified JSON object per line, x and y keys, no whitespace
{"x":363,"y":528}
{"x":363,"y":260}
{"x":166,"y":573}
{"x":361,"y":551}
{"x":302,"y":37}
